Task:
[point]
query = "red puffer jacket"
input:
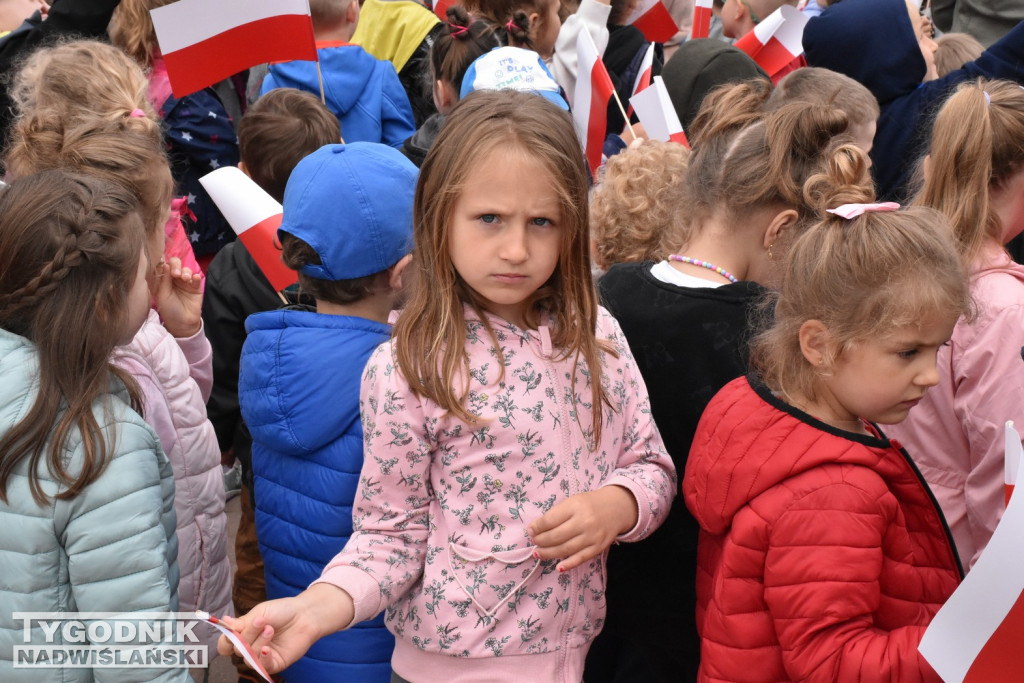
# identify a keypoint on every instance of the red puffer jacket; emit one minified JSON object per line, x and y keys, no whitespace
{"x":822,"y":555}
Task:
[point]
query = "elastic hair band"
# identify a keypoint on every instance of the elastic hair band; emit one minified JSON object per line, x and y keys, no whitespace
{"x":137,"y":114}
{"x":456,"y":30}
{"x":849,"y":211}
{"x":511,"y":25}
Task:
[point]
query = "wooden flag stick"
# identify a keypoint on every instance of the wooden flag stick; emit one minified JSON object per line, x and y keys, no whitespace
{"x":622,"y":109}
{"x":320,"y":77}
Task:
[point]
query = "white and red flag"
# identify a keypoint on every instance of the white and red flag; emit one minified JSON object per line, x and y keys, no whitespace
{"x":977,"y":635}
{"x":1011,"y":463}
{"x":643,"y":77}
{"x":701,"y":19}
{"x":441,"y":8}
{"x":654,"y":108}
{"x":205,"y":42}
{"x":255,"y":217}
{"x":653,"y":20}
{"x":590,"y":101}
{"x":777,"y":40}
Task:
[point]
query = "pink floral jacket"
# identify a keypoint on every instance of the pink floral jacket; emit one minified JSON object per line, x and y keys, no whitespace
{"x":443,"y":506}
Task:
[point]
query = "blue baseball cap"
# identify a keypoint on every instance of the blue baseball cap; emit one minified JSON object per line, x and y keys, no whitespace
{"x":352,"y":204}
{"x":512,"y":68}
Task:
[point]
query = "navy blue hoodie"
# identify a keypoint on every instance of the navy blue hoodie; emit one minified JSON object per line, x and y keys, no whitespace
{"x":873,"y":42}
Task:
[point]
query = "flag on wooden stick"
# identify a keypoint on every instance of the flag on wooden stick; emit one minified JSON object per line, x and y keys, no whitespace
{"x":204,"y":42}
{"x":654,"y":108}
{"x":590,"y":101}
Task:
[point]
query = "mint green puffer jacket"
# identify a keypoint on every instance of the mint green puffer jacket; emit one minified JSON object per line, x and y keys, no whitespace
{"x":110,"y":549}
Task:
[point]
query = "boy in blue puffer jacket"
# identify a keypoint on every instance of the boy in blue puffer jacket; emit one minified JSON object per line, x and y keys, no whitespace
{"x":364,"y":92}
{"x":300,"y":376}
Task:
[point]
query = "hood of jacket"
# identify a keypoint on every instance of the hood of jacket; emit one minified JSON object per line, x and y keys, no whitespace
{"x":760,"y":441}
{"x":347,"y":70}
{"x":872,"y":42}
{"x":297,"y":369}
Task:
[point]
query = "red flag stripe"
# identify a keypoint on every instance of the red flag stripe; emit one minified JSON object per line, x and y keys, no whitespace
{"x":441,"y":8}
{"x":701,"y":20}
{"x":261,"y":241}
{"x":999,"y":659}
{"x":597,"y":121}
{"x":657,"y":24}
{"x":280,"y":38}
{"x":771,"y":57}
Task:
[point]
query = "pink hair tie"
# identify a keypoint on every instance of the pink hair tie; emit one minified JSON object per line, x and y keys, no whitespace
{"x":137,"y":114}
{"x":849,"y":211}
{"x":456,"y":30}
{"x":511,"y":25}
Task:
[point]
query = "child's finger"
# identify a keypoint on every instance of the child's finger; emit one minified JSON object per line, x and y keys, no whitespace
{"x":578,"y":558}
{"x":557,"y":552}
{"x":552,"y":519}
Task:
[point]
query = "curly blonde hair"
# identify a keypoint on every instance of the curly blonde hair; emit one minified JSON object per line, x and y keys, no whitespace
{"x":635,"y":212}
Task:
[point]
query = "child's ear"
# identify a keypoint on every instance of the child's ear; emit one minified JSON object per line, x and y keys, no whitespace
{"x":445,"y":96}
{"x":779,"y":224}
{"x":395,"y":276}
{"x":816,"y":343}
{"x":534,"y":18}
{"x":243,"y":169}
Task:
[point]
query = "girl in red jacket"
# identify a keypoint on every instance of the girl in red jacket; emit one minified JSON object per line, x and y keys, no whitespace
{"x":823,"y":555}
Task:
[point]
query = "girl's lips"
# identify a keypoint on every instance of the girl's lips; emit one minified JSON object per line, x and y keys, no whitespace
{"x":511,"y":278}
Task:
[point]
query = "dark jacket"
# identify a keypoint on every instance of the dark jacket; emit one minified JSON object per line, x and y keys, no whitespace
{"x":299,"y":389}
{"x":873,"y":42}
{"x":688,"y":343}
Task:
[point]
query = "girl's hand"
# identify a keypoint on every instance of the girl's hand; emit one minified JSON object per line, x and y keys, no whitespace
{"x":280,"y":631}
{"x":179,"y":298}
{"x":584,"y":526}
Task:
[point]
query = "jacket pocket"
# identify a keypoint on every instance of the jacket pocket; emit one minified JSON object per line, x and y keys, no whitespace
{"x":491,"y":578}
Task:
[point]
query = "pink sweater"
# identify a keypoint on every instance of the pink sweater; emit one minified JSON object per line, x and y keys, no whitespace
{"x":442,"y":508}
{"x":955,"y":434}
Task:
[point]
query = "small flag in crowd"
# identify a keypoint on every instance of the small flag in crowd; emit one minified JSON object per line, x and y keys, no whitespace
{"x":653,"y":20}
{"x":205,"y":42}
{"x":255,"y":217}
{"x":441,"y":8}
{"x":247,"y":654}
{"x":777,"y":40}
{"x":590,"y":101}
{"x":1011,"y":463}
{"x":701,"y":19}
{"x":654,"y":107}
{"x":977,"y":635}
{"x":643,"y":77}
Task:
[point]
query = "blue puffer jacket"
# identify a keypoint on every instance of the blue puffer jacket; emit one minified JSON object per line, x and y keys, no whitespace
{"x":298,"y":387}
{"x":111,"y":548}
{"x":362,"y":91}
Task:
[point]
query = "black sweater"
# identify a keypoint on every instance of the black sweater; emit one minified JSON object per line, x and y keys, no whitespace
{"x":688,"y":343}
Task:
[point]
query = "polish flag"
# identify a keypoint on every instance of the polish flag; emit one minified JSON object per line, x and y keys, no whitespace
{"x":255,"y":217}
{"x":654,"y":108}
{"x":701,"y":19}
{"x":590,"y":101}
{"x":977,"y":635}
{"x":1011,"y":463}
{"x":204,"y":42}
{"x":777,"y":40}
{"x":654,"y":21}
{"x":643,"y":78}
{"x":441,"y":8}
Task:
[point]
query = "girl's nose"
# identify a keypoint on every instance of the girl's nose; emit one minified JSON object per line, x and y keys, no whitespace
{"x":513,"y":247}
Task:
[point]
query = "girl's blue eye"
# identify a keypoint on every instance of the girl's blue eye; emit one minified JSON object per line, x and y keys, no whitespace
{"x":488,"y":218}
{"x":910,"y":353}
{"x":541,"y":221}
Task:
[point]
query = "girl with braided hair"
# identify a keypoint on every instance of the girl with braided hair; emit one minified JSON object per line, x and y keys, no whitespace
{"x":82,"y":477}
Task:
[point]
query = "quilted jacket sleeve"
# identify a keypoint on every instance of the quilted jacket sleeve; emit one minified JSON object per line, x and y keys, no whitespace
{"x":822,"y":585}
{"x":387,"y":550}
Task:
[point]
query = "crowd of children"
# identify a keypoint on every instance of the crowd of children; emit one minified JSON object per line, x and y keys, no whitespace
{"x":516,"y":421}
